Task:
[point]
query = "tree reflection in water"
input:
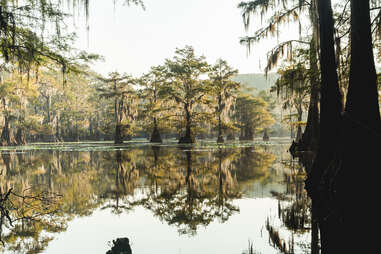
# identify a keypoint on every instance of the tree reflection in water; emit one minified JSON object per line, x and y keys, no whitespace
{"x":184,"y":187}
{"x":25,"y":214}
{"x":295,"y":211}
{"x":192,"y":190}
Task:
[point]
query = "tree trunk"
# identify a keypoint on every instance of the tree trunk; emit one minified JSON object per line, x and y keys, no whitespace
{"x":330,"y":110}
{"x":342,"y":154}
{"x":230,"y":136}
{"x":220,"y":138}
{"x":361,"y":133}
{"x":20,"y":136}
{"x":299,"y":131}
{"x":7,"y":137}
{"x":362,"y":98}
{"x":58,"y":132}
{"x":266,"y":136}
{"x":118,"y":138}
{"x":248,"y":134}
{"x":155,"y":136}
{"x":188,"y":138}
{"x":310,"y":138}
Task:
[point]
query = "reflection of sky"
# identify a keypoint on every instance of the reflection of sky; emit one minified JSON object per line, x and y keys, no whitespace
{"x":149,"y":235}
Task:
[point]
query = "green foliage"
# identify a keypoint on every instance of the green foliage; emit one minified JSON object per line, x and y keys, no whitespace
{"x":186,"y":87}
{"x":155,"y":108}
{"x":251,"y":115}
{"x":223,"y":92}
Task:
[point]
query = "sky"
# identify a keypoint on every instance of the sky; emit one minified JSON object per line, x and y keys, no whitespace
{"x":132,"y":39}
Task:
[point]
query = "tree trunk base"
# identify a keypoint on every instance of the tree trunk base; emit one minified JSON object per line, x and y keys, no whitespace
{"x":266,"y":136}
{"x":230,"y":137}
{"x":220,"y":139}
{"x":118,"y":139}
{"x":246,"y":138}
{"x":7,"y":138}
{"x":155,"y":137}
{"x":187,"y":140}
{"x":20,"y":137}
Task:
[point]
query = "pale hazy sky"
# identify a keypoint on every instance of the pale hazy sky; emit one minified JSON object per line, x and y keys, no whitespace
{"x":132,"y":40}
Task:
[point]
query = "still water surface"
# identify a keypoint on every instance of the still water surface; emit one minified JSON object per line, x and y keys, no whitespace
{"x":165,"y":198}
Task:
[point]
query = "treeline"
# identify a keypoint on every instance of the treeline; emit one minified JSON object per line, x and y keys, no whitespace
{"x":183,"y":98}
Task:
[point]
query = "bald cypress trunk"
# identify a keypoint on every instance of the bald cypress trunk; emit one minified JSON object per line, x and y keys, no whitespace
{"x":155,"y":136}
{"x":20,"y":136}
{"x":359,"y":159}
{"x":220,"y":137}
{"x":330,"y":111}
{"x":310,"y":137}
{"x":7,"y":138}
{"x":188,"y":138}
{"x":345,"y":157}
{"x":362,"y":76}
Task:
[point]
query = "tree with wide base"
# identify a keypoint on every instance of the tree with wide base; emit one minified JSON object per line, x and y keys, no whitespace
{"x":223,"y":91}
{"x":344,"y":173}
{"x":187,"y":88}
{"x":251,"y":116}
{"x":155,"y":108}
{"x":118,"y":87}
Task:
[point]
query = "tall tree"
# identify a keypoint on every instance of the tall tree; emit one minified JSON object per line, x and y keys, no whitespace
{"x":186,"y":86}
{"x":293,"y":88}
{"x":154,"y":105}
{"x":251,"y":115}
{"x":223,"y":90}
{"x":289,"y":12}
{"x":119,"y":88}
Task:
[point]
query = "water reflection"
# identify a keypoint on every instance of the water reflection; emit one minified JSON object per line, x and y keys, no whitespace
{"x":183,"y":187}
{"x":295,"y":213}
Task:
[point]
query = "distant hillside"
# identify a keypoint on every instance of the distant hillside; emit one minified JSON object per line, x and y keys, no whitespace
{"x":257,"y":80}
